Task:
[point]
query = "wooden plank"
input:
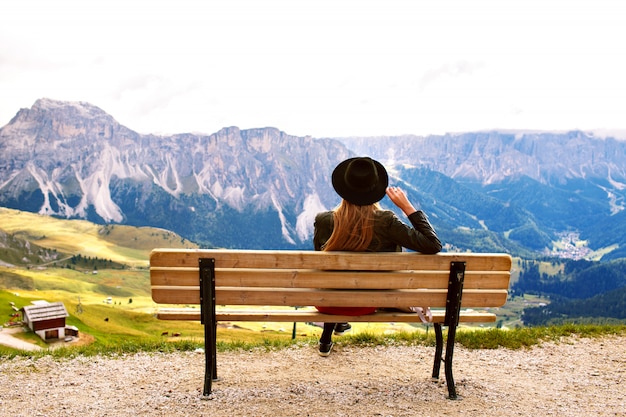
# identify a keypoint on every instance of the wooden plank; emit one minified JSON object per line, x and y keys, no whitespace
{"x":314,"y":278}
{"x":347,"y":298}
{"x":176,"y":295}
{"x":277,"y":316}
{"x":351,"y":279}
{"x":438,"y":317}
{"x":328,"y":260}
{"x":355,"y":298}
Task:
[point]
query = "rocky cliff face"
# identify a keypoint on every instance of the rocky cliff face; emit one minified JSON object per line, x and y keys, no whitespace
{"x":260,"y":188}
{"x":74,"y":160}
{"x":491,"y":157}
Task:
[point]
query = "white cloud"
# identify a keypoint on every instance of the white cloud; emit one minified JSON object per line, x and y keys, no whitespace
{"x":320,"y":68}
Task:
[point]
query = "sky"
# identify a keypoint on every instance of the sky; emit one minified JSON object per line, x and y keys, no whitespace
{"x":322,"y":68}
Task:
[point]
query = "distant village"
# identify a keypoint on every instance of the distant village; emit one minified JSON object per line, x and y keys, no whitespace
{"x":571,"y":247}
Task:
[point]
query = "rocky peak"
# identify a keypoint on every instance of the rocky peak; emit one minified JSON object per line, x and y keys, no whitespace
{"x":75,"y":155}
{"x":71,"y":159}
{"x":491,"y":157}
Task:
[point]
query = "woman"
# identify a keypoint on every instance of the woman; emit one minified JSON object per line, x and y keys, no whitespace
{"x":359,"y":224}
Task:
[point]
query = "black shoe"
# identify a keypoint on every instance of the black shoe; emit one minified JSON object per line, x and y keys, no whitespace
{"x":325,"y":349}
{"x":342,"y":328}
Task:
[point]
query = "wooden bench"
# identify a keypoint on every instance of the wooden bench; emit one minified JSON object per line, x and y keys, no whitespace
{"x":273,"y":278}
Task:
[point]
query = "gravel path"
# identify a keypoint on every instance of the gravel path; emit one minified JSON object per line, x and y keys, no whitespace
{"x":7,"y":339}
{"x":577,"y":377}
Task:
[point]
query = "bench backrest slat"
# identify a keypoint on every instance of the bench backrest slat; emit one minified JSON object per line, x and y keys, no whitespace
{"x":381,"y":261}
{"x":233,"y":296}
{"x":292,"y":278}
{"x":315,"y":278}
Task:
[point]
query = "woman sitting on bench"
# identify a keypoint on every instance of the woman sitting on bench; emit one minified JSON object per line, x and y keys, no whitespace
{"x":359,"y":224}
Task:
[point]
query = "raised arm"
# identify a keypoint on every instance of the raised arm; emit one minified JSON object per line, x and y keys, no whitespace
{"x":399,"y":198}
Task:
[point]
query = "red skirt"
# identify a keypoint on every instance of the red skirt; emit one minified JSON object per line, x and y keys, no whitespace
{"x":347,"y":311}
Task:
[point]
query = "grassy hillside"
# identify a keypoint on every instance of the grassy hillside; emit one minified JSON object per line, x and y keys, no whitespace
{"x":44,"y":258}
{"x":118,"y":323}
{"x":112,"y":304}
{"x":122,"y":244}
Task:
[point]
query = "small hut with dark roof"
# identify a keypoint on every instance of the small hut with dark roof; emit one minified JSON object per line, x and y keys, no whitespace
{"x":46,"y":319}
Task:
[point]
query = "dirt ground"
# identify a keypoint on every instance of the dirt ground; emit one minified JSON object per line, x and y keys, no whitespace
{"x":576,"y":377}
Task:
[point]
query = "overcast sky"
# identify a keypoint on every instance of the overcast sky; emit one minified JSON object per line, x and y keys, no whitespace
{"x":321,"y":68}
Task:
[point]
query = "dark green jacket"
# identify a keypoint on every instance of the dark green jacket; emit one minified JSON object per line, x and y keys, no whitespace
{"x":390,"y":233}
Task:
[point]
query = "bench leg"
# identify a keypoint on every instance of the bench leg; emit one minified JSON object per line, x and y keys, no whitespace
{"x":210,"y":356}
{"x":448,"y":363}
{"x":453,"y":309}
{"x":215,"y":378}
{"x":447,"y":360}
{"x":438,"y":351}
{"x":207,"y":306}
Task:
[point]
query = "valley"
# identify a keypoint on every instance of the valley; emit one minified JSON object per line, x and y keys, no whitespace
{"x":113,"y":305}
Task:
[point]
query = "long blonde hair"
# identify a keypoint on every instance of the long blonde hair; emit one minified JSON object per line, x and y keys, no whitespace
{"x":353,"y":228}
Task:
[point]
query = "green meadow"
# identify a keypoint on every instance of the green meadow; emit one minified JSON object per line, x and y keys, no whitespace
{"x":125,"y":245}
{"x":114,"y":312}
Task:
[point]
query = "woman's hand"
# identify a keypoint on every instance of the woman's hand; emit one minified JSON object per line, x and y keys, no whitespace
{"x":399,"y":198}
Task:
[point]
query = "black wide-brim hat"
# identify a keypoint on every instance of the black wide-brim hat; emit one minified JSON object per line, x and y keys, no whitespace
{"x":361,"y":181}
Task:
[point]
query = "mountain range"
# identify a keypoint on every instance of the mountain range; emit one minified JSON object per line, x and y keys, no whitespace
{"x":527,"y":193}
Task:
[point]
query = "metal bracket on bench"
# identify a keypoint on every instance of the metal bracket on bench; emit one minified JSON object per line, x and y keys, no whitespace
{"x":207,"y":318}
{"x":453,"y":311}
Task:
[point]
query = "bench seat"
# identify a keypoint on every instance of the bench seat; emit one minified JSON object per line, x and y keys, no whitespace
{"x":312,"y":315}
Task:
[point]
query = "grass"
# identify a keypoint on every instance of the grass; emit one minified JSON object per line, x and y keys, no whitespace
{"x":123,"y":244}
{"x":127,"y":325}
{"x":244,"y":340}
